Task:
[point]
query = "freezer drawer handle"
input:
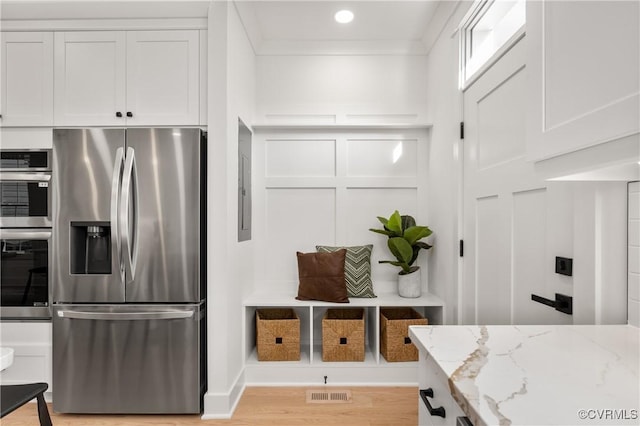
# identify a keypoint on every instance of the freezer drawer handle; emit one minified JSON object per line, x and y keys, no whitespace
{"x":126,"y":316}
{"x":438,"y":411}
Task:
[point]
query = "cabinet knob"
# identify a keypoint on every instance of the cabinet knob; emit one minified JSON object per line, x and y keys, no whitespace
{"x":118,"y":114}
{"x":129,"y":114}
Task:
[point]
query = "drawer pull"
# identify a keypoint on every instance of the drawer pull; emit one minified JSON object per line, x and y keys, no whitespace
{"x":438,"y":411}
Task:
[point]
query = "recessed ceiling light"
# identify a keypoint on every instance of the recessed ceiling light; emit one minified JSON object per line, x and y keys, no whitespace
{"x":344,"y":16}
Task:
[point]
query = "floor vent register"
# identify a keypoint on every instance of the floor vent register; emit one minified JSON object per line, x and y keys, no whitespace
{"x":328,"y":397}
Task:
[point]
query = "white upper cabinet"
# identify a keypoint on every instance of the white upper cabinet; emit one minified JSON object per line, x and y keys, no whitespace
{"x":133,"y":78}
{"x":90,"y":78}
{"x":26,"y":74}
{"x":583,"y":65}
{"x":163,"y":72}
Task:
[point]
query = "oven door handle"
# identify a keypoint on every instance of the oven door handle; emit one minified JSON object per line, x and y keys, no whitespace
{"x":11,"y":234}
{"x":27,"y":177}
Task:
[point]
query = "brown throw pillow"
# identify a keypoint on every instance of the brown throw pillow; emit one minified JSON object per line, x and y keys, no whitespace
{"x":322,"y":277}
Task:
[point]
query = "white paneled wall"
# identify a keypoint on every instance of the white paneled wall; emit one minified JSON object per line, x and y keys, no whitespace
{"x":634,"y":253}
{"x":341,"y":89}
{"x":296,"y":219}
{"x":367,"y":157}
{"x":326,"y":187}
{"x":312,"y":158}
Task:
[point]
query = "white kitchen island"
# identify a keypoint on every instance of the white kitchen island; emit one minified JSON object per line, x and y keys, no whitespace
{"x":530,"y":375}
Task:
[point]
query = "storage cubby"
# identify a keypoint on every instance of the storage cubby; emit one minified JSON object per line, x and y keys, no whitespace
{"x":311,"y":367}
{"x":251,"y":355}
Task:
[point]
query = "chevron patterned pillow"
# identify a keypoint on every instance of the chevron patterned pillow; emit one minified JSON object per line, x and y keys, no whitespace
{"x":357,"y":269}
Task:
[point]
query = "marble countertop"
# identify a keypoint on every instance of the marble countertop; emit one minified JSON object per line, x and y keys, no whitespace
{"x":539,"y":375}
{"x":6,"y":358}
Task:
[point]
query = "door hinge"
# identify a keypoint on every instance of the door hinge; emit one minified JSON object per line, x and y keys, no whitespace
{"x":461,"y":245}
{"x":462,"y":130}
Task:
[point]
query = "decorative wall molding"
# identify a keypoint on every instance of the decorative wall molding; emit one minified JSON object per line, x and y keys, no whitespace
{"x":104,"y":24}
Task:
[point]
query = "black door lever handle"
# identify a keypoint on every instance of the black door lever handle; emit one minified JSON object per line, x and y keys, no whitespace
{"x":563,"y":303}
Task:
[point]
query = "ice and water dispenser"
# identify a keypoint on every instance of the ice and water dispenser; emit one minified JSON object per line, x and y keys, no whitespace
{"x":90,"y":248}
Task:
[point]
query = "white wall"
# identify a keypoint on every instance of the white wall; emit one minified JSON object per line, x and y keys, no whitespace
{"x":341,"y":89}
{"x":633,"y":241}
{"x":231,"y":95}
{"x":599,"y":252}
{"x":327,"y":186}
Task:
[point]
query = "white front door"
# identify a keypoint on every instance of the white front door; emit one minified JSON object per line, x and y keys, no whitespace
{"x":510,"y":215}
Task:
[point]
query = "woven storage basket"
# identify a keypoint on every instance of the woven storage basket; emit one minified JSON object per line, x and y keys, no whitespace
{"x":395,"y":344}
{"x":343,"y":335}
{"x":277,"y":335}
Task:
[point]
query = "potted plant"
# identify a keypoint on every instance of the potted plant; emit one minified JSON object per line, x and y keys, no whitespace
{"x":405,"y":245}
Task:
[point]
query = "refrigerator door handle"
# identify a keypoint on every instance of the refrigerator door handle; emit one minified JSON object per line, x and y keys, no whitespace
{"x":126,"y":316}
{"x":129,"y":233}
{"x":116,"y":184}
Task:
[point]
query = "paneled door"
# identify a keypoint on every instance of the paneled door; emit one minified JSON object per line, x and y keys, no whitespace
{"x":509,"y":213}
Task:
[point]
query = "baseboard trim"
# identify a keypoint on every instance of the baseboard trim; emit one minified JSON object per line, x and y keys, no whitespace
{"x":333,"y":385}
{"x":222,"y":405}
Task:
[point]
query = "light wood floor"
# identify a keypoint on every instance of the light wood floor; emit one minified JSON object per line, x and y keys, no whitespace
{"x":267,"y":406}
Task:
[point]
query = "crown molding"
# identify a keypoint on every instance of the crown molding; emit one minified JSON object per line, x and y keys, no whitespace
{"x":104,"y":24}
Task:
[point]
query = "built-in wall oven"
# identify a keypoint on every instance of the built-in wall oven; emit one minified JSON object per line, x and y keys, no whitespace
{"x":24,"y":275}
{"x":25,"y":188}
{"x":25,"y":234}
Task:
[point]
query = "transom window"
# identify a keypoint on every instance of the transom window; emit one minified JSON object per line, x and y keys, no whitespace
{"x":489,"y":28}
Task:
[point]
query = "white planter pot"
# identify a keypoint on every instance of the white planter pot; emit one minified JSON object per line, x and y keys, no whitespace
{"x":410,"y":285}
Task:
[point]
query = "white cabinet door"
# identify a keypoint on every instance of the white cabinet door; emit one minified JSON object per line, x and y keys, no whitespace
{"x":32,"y":358}
{"x":89,"y":78}
{"x":26,"y":87}
{"x":583,"y":65}
{"x":163,"y":70}
{"x":430,"y":376}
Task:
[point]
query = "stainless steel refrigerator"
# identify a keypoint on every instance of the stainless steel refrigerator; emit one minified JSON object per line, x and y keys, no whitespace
{"x":129,"y":270}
